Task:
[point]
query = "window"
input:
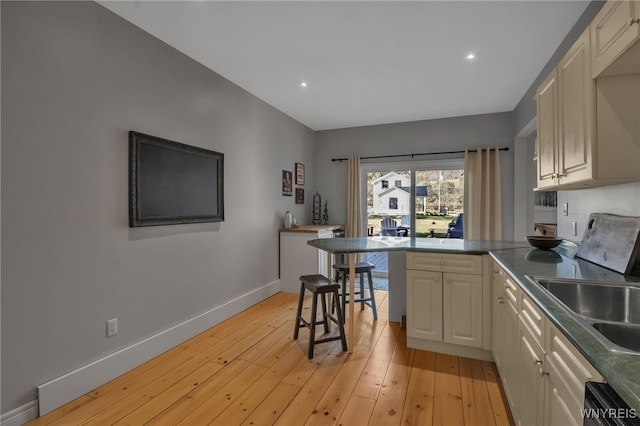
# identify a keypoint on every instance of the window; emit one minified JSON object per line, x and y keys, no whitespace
{"x":393,"y":203}
{"x":398,"y":183}
{"x":385,"y":183}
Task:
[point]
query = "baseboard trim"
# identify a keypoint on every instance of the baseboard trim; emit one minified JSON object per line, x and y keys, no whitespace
{"x":70,"y":386}
{"x":20,"y":415}
{"x":450,"y":349}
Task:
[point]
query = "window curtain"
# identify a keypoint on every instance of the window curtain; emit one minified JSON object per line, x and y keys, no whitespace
{"x":353,"y":227}
{"x":482,"y":199}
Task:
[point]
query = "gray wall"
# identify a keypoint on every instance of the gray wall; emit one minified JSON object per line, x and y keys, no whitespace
{"x":75,"y":79}
{"x":449,"y":134}
{"x":616,"y":199}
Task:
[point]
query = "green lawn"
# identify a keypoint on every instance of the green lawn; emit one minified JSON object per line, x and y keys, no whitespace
{"x":424,"y":226}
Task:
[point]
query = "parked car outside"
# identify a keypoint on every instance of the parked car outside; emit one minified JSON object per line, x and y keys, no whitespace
{"x":456,"y":227}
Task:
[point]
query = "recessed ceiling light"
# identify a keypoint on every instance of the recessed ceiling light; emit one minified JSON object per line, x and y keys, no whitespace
{"x":303,"y":84}
{"x":470,"y":56}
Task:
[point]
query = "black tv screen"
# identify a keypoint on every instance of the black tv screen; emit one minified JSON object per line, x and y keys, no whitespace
{"x":172,"y":183}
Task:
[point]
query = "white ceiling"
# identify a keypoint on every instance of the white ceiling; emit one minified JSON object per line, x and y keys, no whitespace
{"x":366,"y":62}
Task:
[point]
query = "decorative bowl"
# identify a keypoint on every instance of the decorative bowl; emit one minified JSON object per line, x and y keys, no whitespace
{"x":544,"y":242}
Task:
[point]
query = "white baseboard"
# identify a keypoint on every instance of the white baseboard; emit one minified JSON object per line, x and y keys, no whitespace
{"x":70,"y":386}
{"x":20,"y":415}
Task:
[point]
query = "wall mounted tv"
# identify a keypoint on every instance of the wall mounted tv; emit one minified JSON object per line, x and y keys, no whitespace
{"x":172,"y":183}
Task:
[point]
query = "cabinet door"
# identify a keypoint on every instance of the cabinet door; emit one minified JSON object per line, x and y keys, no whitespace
{"x":510,"y":360}
{"x":530,"y":380}
{"x":498,"y":315}
{"x":462,"y":309}
{"x":546,"y":145}
{"x":560,"y":407}
{"x":613,"y":30}
{"x":424,"y":304}
{"x":576,"y":91}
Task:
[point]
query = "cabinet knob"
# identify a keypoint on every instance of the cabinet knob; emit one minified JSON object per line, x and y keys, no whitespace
{"x":634,"y":21}
{"x":500,"y":300}
{"x":538,"y":362}
{"x":543,"y":373}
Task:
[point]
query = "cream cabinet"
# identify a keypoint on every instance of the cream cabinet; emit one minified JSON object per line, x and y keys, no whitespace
{"x":565,"y":103}
{"x":615,"y":31}
{"x":505,"y":331}
{"x":445,"y":295}
{"x":588,"y":128}
{"x":543,"y":374}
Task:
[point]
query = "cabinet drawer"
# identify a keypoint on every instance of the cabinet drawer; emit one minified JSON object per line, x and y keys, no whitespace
{"x":462,"y":263}
{"x":533,"y":319}
{"x":572,"y":367}
{"x":511,"y":292}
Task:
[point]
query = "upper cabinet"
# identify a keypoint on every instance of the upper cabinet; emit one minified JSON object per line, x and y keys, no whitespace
{"x":589,"y":128}
{"x":614,"y":30}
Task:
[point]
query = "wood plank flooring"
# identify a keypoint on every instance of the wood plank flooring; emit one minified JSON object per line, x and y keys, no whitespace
{"x":248,"y":370}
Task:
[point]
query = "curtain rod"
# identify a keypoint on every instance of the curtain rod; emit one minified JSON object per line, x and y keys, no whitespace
{"x":506,"y":148}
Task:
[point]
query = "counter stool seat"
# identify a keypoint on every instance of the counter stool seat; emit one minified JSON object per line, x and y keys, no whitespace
{"x":320,"y":286}
{"x":342,"y":273}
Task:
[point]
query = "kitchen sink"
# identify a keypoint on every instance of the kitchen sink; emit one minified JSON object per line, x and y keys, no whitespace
{"x":611,"y":311}
{"x":601,"y":301}
{"x":625,"y":335}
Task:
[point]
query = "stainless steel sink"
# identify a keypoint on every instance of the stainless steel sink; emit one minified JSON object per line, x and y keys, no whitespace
{"x":602,"y":301}
{"x":625,"y":335}
{"x":612,"y":311}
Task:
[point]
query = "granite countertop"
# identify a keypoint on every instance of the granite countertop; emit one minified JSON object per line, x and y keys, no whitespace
{"x":620,"y":370}
{"x":431,"y":245}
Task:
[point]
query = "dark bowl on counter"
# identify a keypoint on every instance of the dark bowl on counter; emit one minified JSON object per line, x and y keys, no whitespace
{"x":544,"y":242}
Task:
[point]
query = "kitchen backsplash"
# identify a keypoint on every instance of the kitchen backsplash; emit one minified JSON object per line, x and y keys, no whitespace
{"x":616,"y":199}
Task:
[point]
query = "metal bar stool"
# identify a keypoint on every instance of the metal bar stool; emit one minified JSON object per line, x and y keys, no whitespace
{"x":319,"y":286}
{"x":342,"y":271}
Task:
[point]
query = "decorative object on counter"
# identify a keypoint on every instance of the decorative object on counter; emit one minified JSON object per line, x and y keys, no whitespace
{"x":544,"y":242}
{"x":325,"y":215}
{"x":287,"y":188}
{"x":317,"y":205}
{"x":612,"y":241}
{"x":299,"y":174}
{"x":288,"y":220}
{"x":299,"y":195}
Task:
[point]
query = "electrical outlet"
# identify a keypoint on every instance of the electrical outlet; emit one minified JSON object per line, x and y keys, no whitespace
{"x":565,"y":209}
{"x":112,"y":327}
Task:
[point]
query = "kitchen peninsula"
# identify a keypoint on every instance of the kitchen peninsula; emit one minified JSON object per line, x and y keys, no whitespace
{"x":518,"y":261}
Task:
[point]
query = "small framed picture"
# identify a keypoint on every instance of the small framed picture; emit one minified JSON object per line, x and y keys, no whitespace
{"x":287,"y":187}
{"x":299,"y":174}
{"x":299,"y":195}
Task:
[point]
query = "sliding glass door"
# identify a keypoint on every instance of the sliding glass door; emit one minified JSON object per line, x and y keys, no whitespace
{"x":417,"y":198}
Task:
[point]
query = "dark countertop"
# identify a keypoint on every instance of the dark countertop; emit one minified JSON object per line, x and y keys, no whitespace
{"x":620,"y":370}
{"x":429,"y":245}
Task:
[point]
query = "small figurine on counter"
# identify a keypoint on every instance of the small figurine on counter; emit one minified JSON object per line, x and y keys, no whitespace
{"x":317,"y":203}
{"x":325,"y":215}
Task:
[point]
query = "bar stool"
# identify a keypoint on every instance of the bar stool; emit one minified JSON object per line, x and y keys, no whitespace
{"x":319,"y":286}
{"x":342,"y":270}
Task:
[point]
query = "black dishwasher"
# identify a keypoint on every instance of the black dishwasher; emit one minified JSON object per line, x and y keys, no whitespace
{"x":603,"y":406}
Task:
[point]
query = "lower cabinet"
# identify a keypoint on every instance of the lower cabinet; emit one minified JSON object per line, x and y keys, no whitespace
{"x":543,"y":374}
{"x":443,"y":304}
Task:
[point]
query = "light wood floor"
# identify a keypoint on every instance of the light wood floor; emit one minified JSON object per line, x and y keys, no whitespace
{"x":248,"y":370}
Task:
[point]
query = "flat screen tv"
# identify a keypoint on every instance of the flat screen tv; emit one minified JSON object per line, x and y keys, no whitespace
{"x":173,"y":183}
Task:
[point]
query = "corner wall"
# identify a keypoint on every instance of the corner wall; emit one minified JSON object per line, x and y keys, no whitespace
{"x":75,"y":79}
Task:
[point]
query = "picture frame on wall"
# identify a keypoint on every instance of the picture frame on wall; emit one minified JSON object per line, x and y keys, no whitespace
{"x":299,"y":195}
{"x":299,"y":174}
{"x":287,"y":183}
